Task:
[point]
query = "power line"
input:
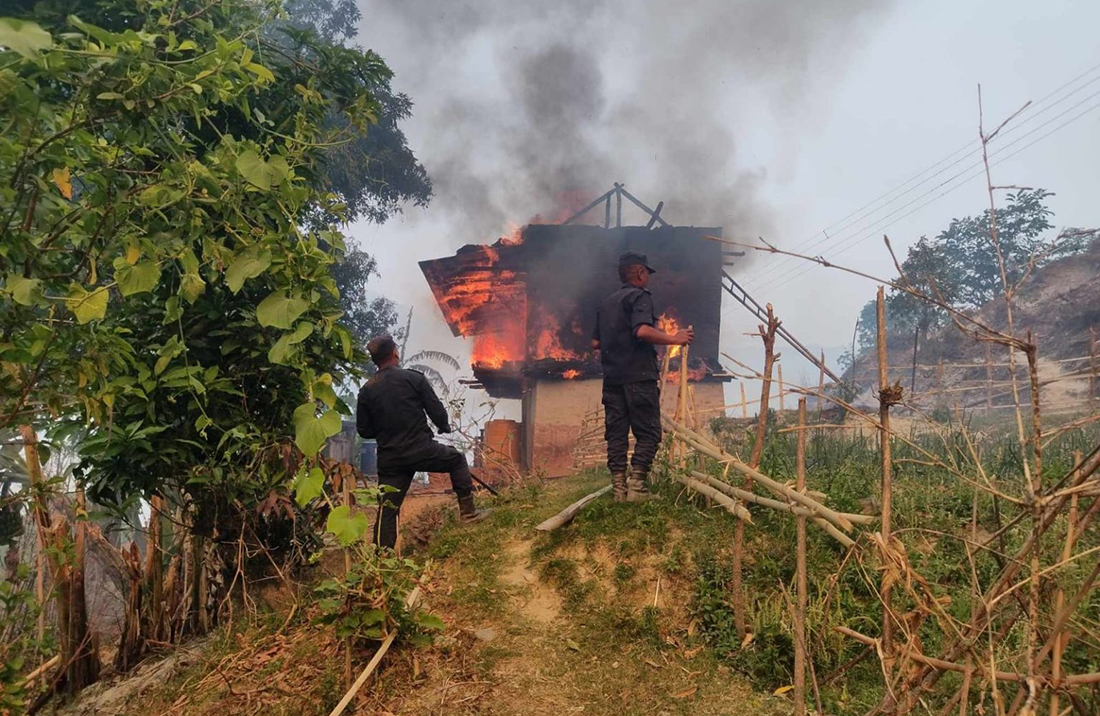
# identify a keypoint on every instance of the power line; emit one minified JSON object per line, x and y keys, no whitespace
{"x":1032,"y":113}
{"x":854,"y":241}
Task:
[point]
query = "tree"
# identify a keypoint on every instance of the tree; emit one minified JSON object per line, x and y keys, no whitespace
{"x":165,"y":280}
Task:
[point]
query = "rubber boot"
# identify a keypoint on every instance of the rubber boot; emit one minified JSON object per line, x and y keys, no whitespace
{"x":618,"y":486}
{"x":636,"y":488}
{"x":468,"y":513}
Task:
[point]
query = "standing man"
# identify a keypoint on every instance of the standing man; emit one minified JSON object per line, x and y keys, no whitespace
{"x":626,"y":333}
{"x":391,"y":409}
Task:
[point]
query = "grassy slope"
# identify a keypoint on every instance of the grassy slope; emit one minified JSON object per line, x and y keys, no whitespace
{"x":536,"y":624}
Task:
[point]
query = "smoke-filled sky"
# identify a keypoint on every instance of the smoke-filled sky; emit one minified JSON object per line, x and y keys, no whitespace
{"x":774,"y":118}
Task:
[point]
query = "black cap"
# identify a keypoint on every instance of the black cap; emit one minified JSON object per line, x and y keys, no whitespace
{"x":632,"y":259}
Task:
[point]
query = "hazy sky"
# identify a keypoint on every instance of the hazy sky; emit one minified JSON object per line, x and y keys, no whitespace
{"x":774,"y":118}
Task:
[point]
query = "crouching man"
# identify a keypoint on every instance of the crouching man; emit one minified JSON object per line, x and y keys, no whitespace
{"x":391,"y":409}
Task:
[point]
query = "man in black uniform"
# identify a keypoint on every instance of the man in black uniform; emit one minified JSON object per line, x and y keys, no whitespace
{"x":626,"y":333}
{"x":391,"y":409}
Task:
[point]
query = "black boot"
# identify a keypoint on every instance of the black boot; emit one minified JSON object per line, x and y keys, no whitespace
{"x":636,"y":488}
{"x":618,"y":486}
{"x":467,"y":512}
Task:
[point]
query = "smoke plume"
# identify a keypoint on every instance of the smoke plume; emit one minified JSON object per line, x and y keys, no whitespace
{"x":522,"y":107}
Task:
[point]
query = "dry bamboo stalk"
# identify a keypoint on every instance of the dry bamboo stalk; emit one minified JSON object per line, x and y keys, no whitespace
{"x":938,"y":664}
{"x":767,"y":335}
{"x":988,"y":377}
{"x":755,"y":499}
{"x":712,"y":451}
{"x":782,"y":407}
{"x":744,"y":404}
{"x":571,"y":511}
{"x":410,"y":602}
{"x":887,"y":466}
{"x":1094,"y":362}
{"x":731,"y":505}
{"x":821,"y":385}
{"x":800,"y":573}
{"x":28,"y":680}
{"x":1061,"y":638}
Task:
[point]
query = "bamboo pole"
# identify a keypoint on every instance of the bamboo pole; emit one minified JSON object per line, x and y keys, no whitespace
{"x":988,"y":377}
{"x":767,"y":334}
{"x":782,"y":406}
{"x":571,"y":511}
{"x":821,"y":386}
{"x":731,"y":505}
{"x":1094,"y":364}
{"x":1061,"y":638}
{"x":887,"y":465}
{"x":800,"y":572}
{"x":410,"y":603}
{"x":744,"y":403}
{"x":704,"y":446}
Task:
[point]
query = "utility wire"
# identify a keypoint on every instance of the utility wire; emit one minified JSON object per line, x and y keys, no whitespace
{"x":1031,"y":113}
{"x":853,"y":241}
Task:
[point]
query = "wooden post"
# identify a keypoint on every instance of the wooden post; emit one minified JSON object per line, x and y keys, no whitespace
{"x":782,"y":407}
{"x":887,"y":464}
{"x":821,"y":386}
{"x":744,"y":403}
{"x":346,"y":485}
{"x":618,"y":206}
{"x":767,"y":333}
{"x":1093,"y":374}
{"x":988,"y":378}
{"x":607,"y":213}
{"x":800,"y":572}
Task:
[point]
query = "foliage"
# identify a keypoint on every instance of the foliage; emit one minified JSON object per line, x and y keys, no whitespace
{"x":374,"y":172}
{"x":422,"y":361}
{"x":160,"y":281}
{"x":959,"y":267}
{"x":368,"y":601}
{"x":18,"y":611}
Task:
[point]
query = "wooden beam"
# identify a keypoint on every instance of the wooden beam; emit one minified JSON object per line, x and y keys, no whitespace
{"x":657,"y":215}
{"x":566,"y":515}
{"x":585,"y":210}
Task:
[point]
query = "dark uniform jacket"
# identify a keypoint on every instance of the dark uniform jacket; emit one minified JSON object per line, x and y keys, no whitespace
{"x":625,"y":358}
{"x":391,"y":410}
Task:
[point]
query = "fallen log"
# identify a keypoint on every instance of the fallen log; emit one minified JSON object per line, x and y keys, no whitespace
{"x":410,"y":602}
{"x":732,"y":505}
{"x":704,"y":446}
{"x":776,"y":505}
{"x":566,"y":515}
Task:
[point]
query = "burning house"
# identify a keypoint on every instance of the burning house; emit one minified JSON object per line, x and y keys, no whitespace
{"x":529,"y":306}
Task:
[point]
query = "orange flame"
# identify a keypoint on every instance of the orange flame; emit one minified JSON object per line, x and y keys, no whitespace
{"x":570,"y":374}
{"x":667,"y":323}
{"x":548,"y":342}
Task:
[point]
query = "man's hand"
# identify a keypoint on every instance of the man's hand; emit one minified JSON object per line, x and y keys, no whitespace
{"x":683,"y":337}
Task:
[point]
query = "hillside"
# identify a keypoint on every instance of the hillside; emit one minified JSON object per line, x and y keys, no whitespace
{"x":1058,"y":304}
{"x":596,"y":618}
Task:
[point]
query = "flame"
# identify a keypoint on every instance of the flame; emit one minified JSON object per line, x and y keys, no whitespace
{"x":667,"y":323}
{"x":570,"y":374}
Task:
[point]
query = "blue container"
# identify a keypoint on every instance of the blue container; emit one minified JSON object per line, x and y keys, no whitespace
{"x":368,"y":458}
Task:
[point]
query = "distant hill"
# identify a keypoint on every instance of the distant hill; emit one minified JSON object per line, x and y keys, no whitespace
{"x":1059,"y":304}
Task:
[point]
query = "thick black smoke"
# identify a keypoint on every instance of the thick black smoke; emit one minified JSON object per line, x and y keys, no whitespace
{"x":523,"y":105}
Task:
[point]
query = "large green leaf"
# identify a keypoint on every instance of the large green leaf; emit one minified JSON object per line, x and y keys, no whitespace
{"x":249,"y":264}
{"x":87,"y":305}
{"x":308,"y":485}
{"x":280,"y":311}
{"x":26,"y":38}
{"x":283,"y":346}
{"x":139,"y":278}
{"x":253,"y":168}
{"x":191,"y":286}
{"x":310,"y":432}
{"x":346,"y":527}
{"x":25,"y":291}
